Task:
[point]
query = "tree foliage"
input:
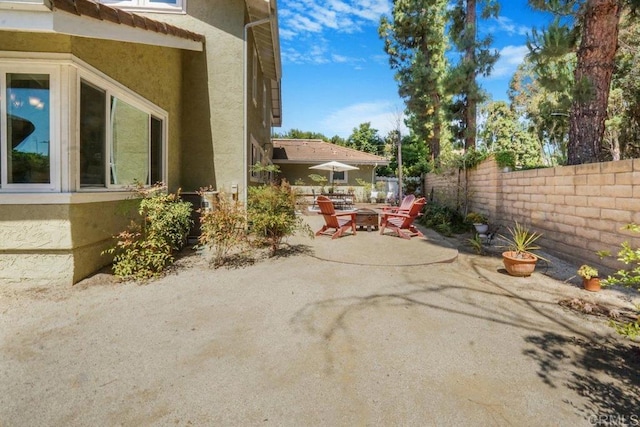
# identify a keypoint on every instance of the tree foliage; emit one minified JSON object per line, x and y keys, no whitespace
{"x":416,"y":44}
{"x":365,"y":138}
{"x":502,"y":131}
{"x":588,"y":28}
{"x":477,"y":59}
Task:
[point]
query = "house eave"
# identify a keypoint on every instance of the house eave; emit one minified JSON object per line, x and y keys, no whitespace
{"x":267,"y":40}
{"x":39,"y":17}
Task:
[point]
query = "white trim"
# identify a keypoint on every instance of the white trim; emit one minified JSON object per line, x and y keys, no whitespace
{"x":82,"y":26}
{"x":147,"y":6}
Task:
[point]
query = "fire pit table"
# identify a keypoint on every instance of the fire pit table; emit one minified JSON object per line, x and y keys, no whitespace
{"x":367,"y":218}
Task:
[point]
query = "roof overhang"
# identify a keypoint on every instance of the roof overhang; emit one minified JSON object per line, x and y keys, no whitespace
{"x":267,"y":40}
{"x":94,"y":21}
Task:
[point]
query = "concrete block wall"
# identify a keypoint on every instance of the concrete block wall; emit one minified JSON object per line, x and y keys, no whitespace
{"x":578,"y":209}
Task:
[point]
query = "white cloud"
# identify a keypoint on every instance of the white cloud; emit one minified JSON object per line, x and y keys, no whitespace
{"x":383,"y":116}
{"x":507,"y":25}
{"x":510,"y":58}
{"x":302,"y":20}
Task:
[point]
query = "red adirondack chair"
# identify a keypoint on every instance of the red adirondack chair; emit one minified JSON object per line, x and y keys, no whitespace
{"x":402,"y":222}
{"x":339,"y":222}
{"x":404,"y":207}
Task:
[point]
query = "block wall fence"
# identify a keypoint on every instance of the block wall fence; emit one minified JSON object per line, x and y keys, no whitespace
{"x":578,"y":209}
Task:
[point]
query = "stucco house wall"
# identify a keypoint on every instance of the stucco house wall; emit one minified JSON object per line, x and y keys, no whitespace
{"x":57,"y":238}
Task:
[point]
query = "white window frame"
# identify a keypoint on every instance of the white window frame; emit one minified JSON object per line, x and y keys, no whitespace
{"x":112,"y":88}
{"x":341,"y":181}
{"x":146,"y":5}
{"x":66,"y":72}
{"x":55,"y":93}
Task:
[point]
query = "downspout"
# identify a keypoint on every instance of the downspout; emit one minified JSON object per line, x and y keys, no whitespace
{"x":245,"y":92}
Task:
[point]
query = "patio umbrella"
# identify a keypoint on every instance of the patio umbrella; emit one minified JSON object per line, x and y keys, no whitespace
{"x":334,"y":166}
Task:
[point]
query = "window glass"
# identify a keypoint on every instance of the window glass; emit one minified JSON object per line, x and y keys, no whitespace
{"x":130,"y":144}
{"x":339,"y":176}
{"x":156,"y":151}
{"x":28,"y":129}
{"x":164,"y":1}
{"x":93,"y":139}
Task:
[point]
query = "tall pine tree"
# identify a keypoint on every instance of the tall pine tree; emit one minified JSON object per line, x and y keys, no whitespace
{"x":415,"y":42}
{"x":477,"y":59}
{"x":593,"y":34}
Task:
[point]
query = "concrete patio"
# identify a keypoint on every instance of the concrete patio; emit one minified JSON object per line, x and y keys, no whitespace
{"x":362,"y":330}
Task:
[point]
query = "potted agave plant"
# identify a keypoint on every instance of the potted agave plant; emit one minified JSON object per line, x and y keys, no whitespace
{"x":518,"y":259}
{"x":590,"y":279}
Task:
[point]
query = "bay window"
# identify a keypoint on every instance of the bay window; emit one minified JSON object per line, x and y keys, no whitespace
{"x":119,"y":140}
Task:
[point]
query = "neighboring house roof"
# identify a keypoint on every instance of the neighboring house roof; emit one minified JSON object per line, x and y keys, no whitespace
{"x":88,"y":18}
{"x":312,"y":151}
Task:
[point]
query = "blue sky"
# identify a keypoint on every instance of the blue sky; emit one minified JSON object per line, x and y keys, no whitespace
{"x":336,"y":74}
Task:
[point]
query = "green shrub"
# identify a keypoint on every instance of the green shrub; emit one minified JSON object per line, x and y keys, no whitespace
{"x":628,"y":277}
{"x":147,"y":246}
{"x":443,"y":219}
{"x":223,"y":229}
{"x":272,"y":215}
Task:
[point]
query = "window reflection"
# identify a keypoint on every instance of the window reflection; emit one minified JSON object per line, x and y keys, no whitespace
{"x":130,"y":144}
{"x":28,"y":129}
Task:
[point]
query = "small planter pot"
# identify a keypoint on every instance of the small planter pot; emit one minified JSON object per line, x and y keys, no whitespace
{"x":591,"y":285}
{"x":519,"y":266}
{"x":481,"y":228}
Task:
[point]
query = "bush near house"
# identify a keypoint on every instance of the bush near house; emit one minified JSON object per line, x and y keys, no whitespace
{"x":271,"y":210}
{"x":147,"y":246}
{"x":223,"y":228}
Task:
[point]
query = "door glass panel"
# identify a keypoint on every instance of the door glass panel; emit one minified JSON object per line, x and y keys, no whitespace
{"x":28,"y":129}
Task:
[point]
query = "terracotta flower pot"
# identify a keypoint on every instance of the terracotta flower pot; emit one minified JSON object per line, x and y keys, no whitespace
{"x":592,"y":285}
{"x":519,"y":266}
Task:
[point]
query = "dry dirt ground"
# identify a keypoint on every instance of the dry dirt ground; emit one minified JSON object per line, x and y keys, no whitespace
{"x":362,"y":330}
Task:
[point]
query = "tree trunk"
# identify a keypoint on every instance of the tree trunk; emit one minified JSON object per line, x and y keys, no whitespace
{"x":470,"y":60}
{"x":594,"y":68}
{"x":435,"y":140}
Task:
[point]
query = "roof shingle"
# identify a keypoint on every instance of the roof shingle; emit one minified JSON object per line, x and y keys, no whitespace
{"x":317,"y":151}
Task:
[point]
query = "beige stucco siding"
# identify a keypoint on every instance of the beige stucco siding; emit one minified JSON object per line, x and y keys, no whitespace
{"x":58,"y":244}
{"x":213,"y":85}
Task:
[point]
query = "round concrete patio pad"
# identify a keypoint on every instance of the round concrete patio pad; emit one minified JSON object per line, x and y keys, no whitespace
{"x":372,"y":248}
